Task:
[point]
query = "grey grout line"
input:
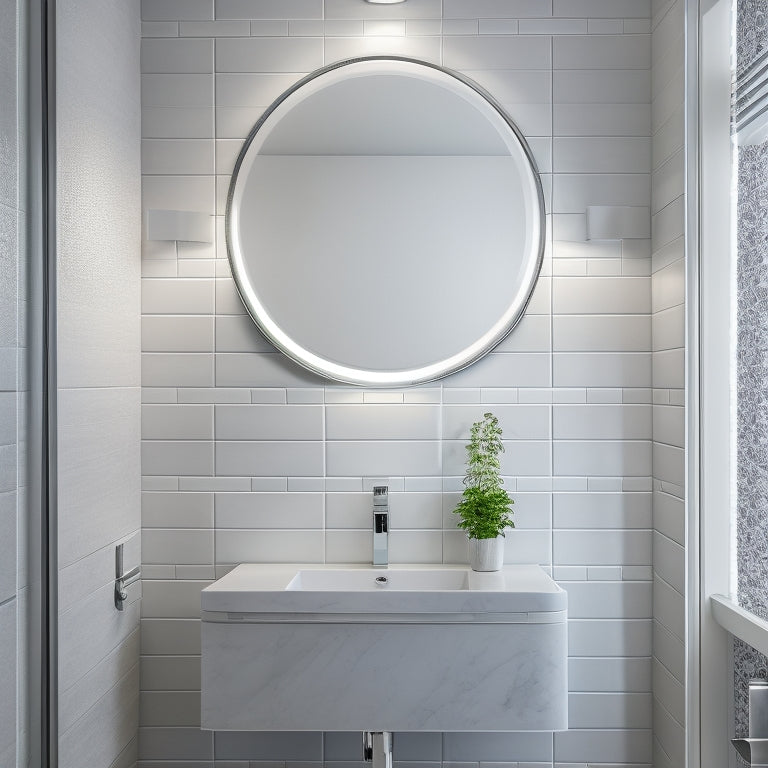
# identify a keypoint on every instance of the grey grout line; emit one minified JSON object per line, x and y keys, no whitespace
{"x":551,"y":316}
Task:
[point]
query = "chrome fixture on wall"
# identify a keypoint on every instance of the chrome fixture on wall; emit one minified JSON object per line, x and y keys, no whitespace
{"x":754,"y":749}
{"x":123,"y":580}
{"x":377,"y":748}
{"x":381,"y":526}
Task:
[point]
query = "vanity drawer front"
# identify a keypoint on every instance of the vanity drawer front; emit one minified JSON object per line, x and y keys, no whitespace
{"x":384,"y":677}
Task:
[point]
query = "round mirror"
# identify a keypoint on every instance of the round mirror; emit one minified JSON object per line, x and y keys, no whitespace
{"x":385,"y":222}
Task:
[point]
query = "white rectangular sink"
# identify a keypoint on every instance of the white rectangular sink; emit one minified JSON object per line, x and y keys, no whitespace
{"x":329,"y":648}
{"x":376,"y":579}
{"x":411,"y":589}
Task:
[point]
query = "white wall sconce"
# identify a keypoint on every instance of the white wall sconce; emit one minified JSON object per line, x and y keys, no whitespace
{"x":618,"y":222}
{"x":384,"y":2}
{"x":185,"y":226}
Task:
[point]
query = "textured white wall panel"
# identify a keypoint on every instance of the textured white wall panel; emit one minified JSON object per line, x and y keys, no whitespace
{"x":8,"y":678}
{"x":99,"y":204}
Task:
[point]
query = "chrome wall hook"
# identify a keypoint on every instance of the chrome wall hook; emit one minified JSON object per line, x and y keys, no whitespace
{"x":123,"y":580}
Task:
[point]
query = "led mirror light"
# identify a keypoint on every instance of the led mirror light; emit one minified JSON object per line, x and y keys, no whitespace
{"x":385,"y":222}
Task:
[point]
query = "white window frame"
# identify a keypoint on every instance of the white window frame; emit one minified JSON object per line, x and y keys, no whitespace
{"x":709,"y":385}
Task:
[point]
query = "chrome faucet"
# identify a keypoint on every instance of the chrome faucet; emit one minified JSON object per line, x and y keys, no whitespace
{"x":381,"y":526}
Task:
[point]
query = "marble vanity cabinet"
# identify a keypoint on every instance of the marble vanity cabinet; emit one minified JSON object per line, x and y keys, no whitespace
{"x":331,"y":648}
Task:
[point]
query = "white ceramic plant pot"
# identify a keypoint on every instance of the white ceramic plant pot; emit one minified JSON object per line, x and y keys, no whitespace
{"x":486,"y":554}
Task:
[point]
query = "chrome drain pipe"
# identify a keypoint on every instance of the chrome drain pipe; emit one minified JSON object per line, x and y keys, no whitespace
{"x":377,"y":748}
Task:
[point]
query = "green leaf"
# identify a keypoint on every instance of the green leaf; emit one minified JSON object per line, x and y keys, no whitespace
{"x":485,"y":509}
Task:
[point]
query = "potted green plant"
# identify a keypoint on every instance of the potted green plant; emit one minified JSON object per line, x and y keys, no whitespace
{"x":485,"y":508}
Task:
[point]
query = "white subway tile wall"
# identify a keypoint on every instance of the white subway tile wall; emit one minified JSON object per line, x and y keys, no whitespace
{"x":247,"y":457}
{"x":668,"y":342}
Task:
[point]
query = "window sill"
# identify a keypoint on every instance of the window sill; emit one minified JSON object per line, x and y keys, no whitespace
{"x":740,"y":622}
